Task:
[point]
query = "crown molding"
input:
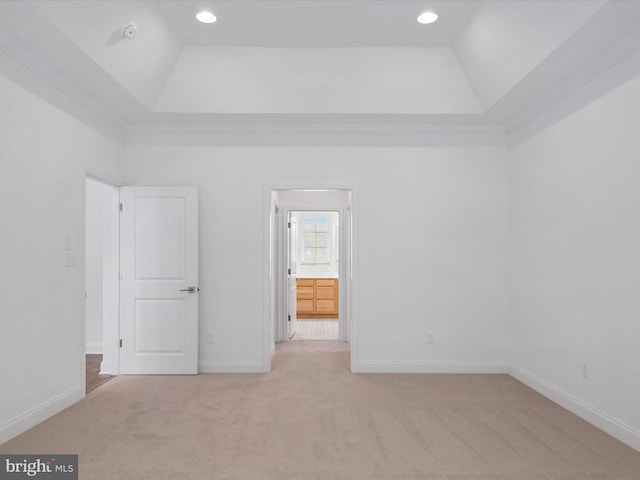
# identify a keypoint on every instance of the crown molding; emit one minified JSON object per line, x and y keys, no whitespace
{"x":329,"y":134}
{"x":181,"y":128}
{"x":603,"y":54}
{"x":608,"y":73}
{"x":103,"y":119}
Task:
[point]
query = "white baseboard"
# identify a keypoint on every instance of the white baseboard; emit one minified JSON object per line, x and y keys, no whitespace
{"x":40,"y":413}
{"x":612,"y":426}
{"x":93,"y":348}
{"x":106,"y":368}
{"x":431,"y":367}
{"x":232,"y":367}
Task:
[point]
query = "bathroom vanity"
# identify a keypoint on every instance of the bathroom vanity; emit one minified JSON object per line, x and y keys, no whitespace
{"x":317,"y":298}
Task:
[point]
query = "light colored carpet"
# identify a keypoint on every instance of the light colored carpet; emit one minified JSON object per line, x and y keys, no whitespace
{"x":312,"y":419}
{"x":316,"y":329}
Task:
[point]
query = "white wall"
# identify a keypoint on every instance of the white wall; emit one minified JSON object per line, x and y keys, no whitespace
{"x":44,"y":156}
{"x":94,"y":265}
{"x":439,"y":266}
{"x":575,"y":262}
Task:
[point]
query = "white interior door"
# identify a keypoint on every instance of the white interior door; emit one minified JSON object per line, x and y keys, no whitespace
{"x":292,"y":246}
{"x":159,"y":280}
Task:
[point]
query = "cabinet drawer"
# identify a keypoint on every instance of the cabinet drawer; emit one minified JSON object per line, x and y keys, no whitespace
{"x":304,"y":293}
{"x":325,"y":282}
{"x":325,"y":293}
{"x":304,"y":282}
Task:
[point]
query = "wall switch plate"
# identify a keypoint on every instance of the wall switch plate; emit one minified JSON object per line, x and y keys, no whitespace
{"x":210,"y":338}
{"x":430,"y":338}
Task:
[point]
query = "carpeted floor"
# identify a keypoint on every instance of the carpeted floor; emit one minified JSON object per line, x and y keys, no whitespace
{"x":310,"y":418}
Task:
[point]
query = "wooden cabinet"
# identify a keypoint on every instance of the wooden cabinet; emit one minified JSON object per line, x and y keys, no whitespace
{"x":317,"y":298}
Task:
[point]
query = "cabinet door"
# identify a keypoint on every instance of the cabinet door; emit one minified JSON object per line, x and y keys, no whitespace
{"x":325,"y":306}
{"x":305,"y":307}
{"x":325,"y":293}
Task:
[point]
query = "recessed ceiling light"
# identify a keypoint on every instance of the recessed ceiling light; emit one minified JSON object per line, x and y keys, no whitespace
{"x":427,"y":17}
{"x":206,"y":17}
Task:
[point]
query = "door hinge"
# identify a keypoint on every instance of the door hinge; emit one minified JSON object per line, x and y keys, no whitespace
{"x":289,"y":319}
{"x":121,"y":207}
{"x":120,"y":343}
{"x":289,"y":271}
{"x":289,"y":225}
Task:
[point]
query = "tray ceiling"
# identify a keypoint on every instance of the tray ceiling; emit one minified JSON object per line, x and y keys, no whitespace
{"x":331,"y":61}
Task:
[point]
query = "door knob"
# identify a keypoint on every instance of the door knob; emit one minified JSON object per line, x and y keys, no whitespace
{"x":190,"y":289}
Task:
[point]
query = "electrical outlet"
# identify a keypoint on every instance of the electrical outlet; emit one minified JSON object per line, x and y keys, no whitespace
{"x":430,"y":338}
{"x":211,"y":338}
{"x":585,"y":370}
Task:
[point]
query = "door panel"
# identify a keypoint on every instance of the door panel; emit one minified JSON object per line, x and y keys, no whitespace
{"x":159,"y":326}
{"x":160,"y":238}
{"x":159,"y":262}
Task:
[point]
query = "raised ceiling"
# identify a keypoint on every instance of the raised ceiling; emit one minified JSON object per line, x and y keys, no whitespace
{"x":331,"y":61}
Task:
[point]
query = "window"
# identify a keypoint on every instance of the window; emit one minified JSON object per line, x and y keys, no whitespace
{"x":316,"y":240}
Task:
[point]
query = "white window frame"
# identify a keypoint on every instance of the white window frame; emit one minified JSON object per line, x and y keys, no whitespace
{"x":331,"y":253}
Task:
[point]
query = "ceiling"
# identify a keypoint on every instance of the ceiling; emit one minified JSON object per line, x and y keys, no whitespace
{"x":319,"y":61}
{"x":319,"y":24}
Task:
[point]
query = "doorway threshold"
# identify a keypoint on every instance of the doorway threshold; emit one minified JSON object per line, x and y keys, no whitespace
{"x":313,"y":346}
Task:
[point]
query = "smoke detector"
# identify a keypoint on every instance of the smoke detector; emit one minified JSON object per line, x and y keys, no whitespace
{"x":130,"y":31}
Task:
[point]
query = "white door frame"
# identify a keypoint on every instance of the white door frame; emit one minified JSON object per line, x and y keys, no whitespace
{"x":275,"y":291}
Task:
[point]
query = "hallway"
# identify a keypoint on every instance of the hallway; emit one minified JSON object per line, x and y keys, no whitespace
{"x":317,"y":329}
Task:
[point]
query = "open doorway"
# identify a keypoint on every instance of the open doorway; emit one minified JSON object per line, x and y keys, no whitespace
{"x":313,"y":275}
{"x":137,"y":238}
{"x":315,"y":272}
{"x":101,"y":282}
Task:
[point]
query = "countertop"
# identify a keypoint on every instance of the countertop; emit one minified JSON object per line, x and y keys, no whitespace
{"x":319,"y":276}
